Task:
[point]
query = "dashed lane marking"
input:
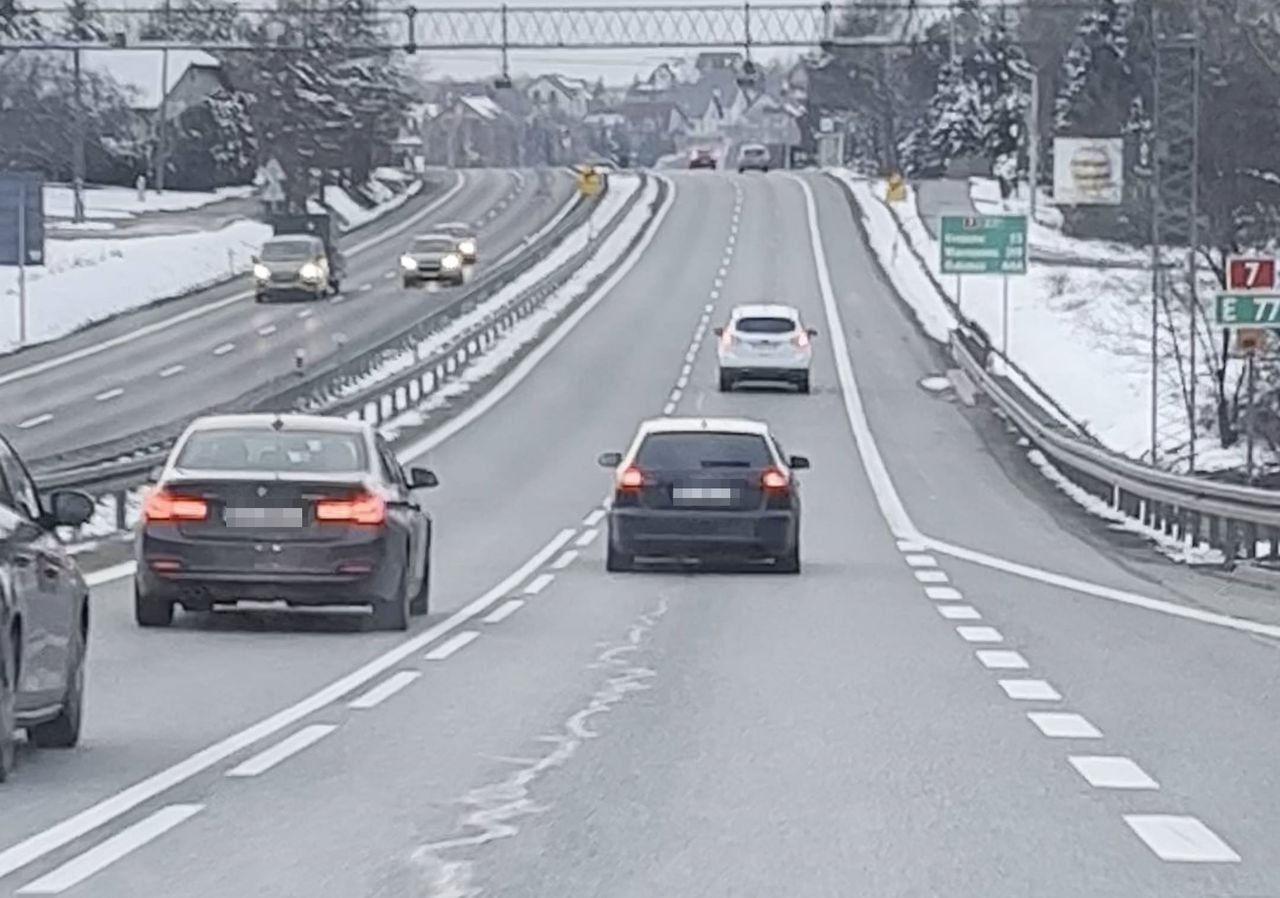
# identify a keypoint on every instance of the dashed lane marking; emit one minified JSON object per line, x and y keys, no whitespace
{"x":686,"y":370}
{"x":1063,"y":725}
{"x":959,"y":612}
{"x":587,"y":537}
{"x":1181,"y":839}
{"x":908,"y":545}
{"x":306,"y":313}
{"x":106,"y":395}
{"x":683,"y":381}
{"x":932,"y":576}
{"x":266,"y":330}
{"x":668,"y":408}
{"x":224,"y":349}
{"x":979,"y":634}
{"x":384,"y":690}
{"x":943,"y":593}
{"x":594,"y":517}
{"x":921,"y":561}
{"x":1030,"y":691}
{"x":172,"y":370}
{"x":539,"y":583}
{"x":36,"y":421}
{"x":708,"y":308}
{"x":568,"y":557}
{"x":452,"y":645}
{"x":504,"y":611}
{"x":1002,"y":659}
{"x":1109,"y":772}
{"x":282,"y":750}
{"x":388,"y":275}
{"x":676,"y":394}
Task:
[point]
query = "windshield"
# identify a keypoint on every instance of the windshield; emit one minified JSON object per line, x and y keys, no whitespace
{"x":433,"y":245}
{"x":287,"y":250}
{"x":291,"y":451}
{"x":765,"y":325}
{"x":702,"y":449}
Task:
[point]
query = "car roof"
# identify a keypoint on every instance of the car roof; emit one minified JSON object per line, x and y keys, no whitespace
{"x":764,"y":310}
{"x":754,"y":147}
{"x":454,"y":226}
{"x":264,"y":420}
{"x":281,"y":238}
{"x":698,"y":425}
{"x":434,"y":235}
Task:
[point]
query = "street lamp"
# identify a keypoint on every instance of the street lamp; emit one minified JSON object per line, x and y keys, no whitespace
{"x":1033,"y":129}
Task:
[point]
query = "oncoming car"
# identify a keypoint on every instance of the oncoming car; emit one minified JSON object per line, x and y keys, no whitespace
{"x":704,"y":488}
{"x":303,"y":509}
{"x":432,"y":257}
{"x":293,"y":265}
{"x":764,"y":343}
{"x":465,"y":235}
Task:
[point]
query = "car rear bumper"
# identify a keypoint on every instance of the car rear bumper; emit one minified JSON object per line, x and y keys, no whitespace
{"x":291,"y":290}
{"x":783,"y":362}
{"x":438,"y":274}
{"x":652,"y":532}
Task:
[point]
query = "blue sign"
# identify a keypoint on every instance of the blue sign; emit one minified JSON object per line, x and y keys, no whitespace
{"x":21,"y":218}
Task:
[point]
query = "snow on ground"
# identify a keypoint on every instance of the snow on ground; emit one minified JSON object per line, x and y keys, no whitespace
{"x":104,"y":203}
{"x":355,"y":214}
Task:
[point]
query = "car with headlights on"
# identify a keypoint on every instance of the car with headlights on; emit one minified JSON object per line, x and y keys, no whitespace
{"x":44,"y":614}
{"x":302,"y":509}
{"x":765,"y":342}
{"x":468,"y":242}
{"x":292,"y":265}
{"x":432,"y":257}
{"x":704,"y":488}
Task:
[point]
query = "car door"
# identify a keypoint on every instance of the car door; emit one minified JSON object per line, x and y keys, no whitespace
{"x":412,"y":519}
{"x":45,"y":586}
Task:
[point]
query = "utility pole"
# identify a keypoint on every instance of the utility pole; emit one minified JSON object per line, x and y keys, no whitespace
{"x":162,"y":151}
{"x":77,"y":140}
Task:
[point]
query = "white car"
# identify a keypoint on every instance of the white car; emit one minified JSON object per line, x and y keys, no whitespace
{"x":765,"y":343}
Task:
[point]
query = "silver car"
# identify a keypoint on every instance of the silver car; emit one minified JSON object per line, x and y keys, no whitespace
{"x":432,"y":257}
{"x":465,"y":235}
{"x":292,"y":265}
{"x":753,"y":157}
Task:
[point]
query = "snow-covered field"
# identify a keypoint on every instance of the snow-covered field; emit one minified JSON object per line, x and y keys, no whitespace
{"x":86,"y":279}
{"x":354,"y":214}
{"x":106,"y":203}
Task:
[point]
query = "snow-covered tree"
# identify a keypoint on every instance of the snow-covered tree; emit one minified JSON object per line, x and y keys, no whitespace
{"x":1103,"y":71}
{"x":213,"y":145}
{"x":17,"y":23}
{"x":83,"y":21}
{"x":194,"y":20}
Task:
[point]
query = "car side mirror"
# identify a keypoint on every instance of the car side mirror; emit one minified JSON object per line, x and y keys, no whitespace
{"x":719,"y":331}
{"x":610,"y":459}
{"x":422,"y":479}
{"x":69,"y":508}
{"x":798,"y":462}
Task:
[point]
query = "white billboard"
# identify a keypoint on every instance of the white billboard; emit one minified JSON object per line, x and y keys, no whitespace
{"x":1088,"y":171}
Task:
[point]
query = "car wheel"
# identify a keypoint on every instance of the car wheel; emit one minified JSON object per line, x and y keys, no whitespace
{"x":8,"y":709}
{"x":618,"y":562}
{"x":64,"y":730}
{"x":150,"y":611}
{"x":741,"y":171}
{"x":259,"y":297}
{"x":803,"y":383}
{"x":726,"y":381}
{"x":790,"y":562}
{"x":408,"y":284}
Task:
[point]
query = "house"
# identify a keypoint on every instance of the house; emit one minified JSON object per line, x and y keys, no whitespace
{"x":655,"y":128}
{"x":713,"y":103}
{"x":719,"y":61}
{"x":191,"y":77}
{"x":560,"y":95}
{"x":472,"y":131}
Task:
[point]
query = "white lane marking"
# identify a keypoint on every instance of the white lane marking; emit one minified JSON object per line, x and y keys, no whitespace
{"x":110,"y":574}
{"x":103,"y":855}
{"x":686,"y":370}
{"x":42,"y":843}
{"x":504,"y":611}
{"x":683,"y":381}
{"x":384,"y":690}
{"x":676,"y":394}
{"x":388,"y":275}
{"x":1001,"y":659}
{"x":342,"y":297}
{"x":548,"y":345}
{"x":307,"y":313}
{"x":1123,"y":597}
{"x":959,"y":612}
{"x":668,"y":408}
{"x":158,"y":326}
{"x":1181,"y":839}
{"x":1030,"y":691}
{"x":36,"y":421}
{"x":943,"y":593}
{"x":708,"y":308}
{"x":172,"y":370}
{"x":595,"y":517}
{"x":539,"y":583}
{"x":979,"y":634}
{"x":891,"y":507}
{"x":451,"y":645}
{"x":587,"y":537}
{"x":921,"y":561}
{"x":364,"y":288}
{"x":109,"y":394}
{"x":719,"y":282}
{"x":568,"y":557}
{"x":282,"y":750}
{"x":224,"y":349}
{"x":931,"y":576}
{"x":715,"y":294}
{"x":1110,"y":772}
{"x":1063,"y":725}
{"x":909,"y":545}
{"x":266,"y":330}
{"x":692,"y":354}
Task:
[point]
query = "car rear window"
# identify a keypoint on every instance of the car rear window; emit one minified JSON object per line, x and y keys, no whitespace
{"x":765,"y":325}
{"x":432,"y":245}
{"x":278,"y":250}
{"x":305,"y":451}
{"x":703,"y":449}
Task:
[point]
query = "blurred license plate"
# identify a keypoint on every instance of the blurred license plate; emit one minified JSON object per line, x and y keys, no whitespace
{"x":263,"y":517}
{"x":701,"y":494}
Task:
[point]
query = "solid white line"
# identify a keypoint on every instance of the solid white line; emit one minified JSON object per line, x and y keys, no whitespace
{"x":36,"y":421}
{"x":943,"y":593}
{"x":266,"y":330}
{"x":1030,"y":691}
{"x":224,"y":348}
{"x":384,"y":690}
{"x":1181,"y":839}
{"x":539,"y":583}
{"x":921,"y":561}
{"x":979,"y":634}
{"x":568,"y":557}
{"x":931,"y":576}
{"x":959,"y":612}
{"x":1112,"y":772}
{"x":282,"y":750}
{"x":103,"y":855}
{"x":109,"y":394}
{"x":1063,"y":725}
{"x":172,"y":370}
{"x":1001,"y":659}
{"x":42,"y":843}
{"x":504,"y":611}
{"x":451,"y":645}
{"x":586,"y":538}
{"x":546,"y":346}
{"x":158,"y":326}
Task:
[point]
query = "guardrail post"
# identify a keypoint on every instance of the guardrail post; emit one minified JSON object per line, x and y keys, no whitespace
{"x":1250,"y":540}
{"x":122,"y":509}
{"x":1273,"y":550}
{"x":1215,"y":532}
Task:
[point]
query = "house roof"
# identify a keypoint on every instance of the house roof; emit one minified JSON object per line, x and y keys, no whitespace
{"x":139,"y":71}
{"x":695,"y":98}
{"x":483,"y":107}
{"x":571,"y":87}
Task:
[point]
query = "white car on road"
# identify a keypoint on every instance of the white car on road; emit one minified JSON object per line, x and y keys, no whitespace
{"x":765,"y":343}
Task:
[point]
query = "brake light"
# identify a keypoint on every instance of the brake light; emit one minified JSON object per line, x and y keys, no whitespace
{"x":631,"y":478}
{"x":774,"y":480}
{"x":162,"y":505}
{"x":363,"y":509}
{"x":727,"y":339}
{"x":800,"y":339}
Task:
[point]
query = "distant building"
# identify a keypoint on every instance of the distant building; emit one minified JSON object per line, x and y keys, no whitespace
{"x":193,"y":76}
{"x":559,"y":95}
{"x":719,"y":61}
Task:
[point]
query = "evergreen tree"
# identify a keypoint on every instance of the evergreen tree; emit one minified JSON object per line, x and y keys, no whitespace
{"x":1101,"y":71}
{"x":17,"y":23}
{"x":194,"y":20}
{"x":213,"y":145}
{"x":83,"y":22}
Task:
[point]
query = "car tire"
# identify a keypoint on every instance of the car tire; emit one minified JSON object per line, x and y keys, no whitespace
{"x":741,"y":171}
{"x":618,"y":562}
{"x":260,"y":297}
{"x":803,"y":384}
{"x":726,"y":381}
{"x":151,"y":611}
{"x":8,"y":708}
{"x":64,"y":730}
{"x":408,"y":284}
{"x":790,"y":562}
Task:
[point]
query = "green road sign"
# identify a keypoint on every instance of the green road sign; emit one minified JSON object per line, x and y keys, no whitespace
{"x":1246,"y":310}
{"x":984,"y":244}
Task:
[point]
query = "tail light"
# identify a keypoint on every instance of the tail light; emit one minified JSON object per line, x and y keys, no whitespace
{"x":363,"y":509}
{"x":727,"y":339}
{"x":775,"y":480}
{"x":631,"y":479}
{"x":800,"y":339}
{"x":162,"y":505}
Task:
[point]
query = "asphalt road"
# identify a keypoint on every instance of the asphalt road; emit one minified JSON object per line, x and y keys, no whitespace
{"x":692,"y":733}
{"x":135,"y":384}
